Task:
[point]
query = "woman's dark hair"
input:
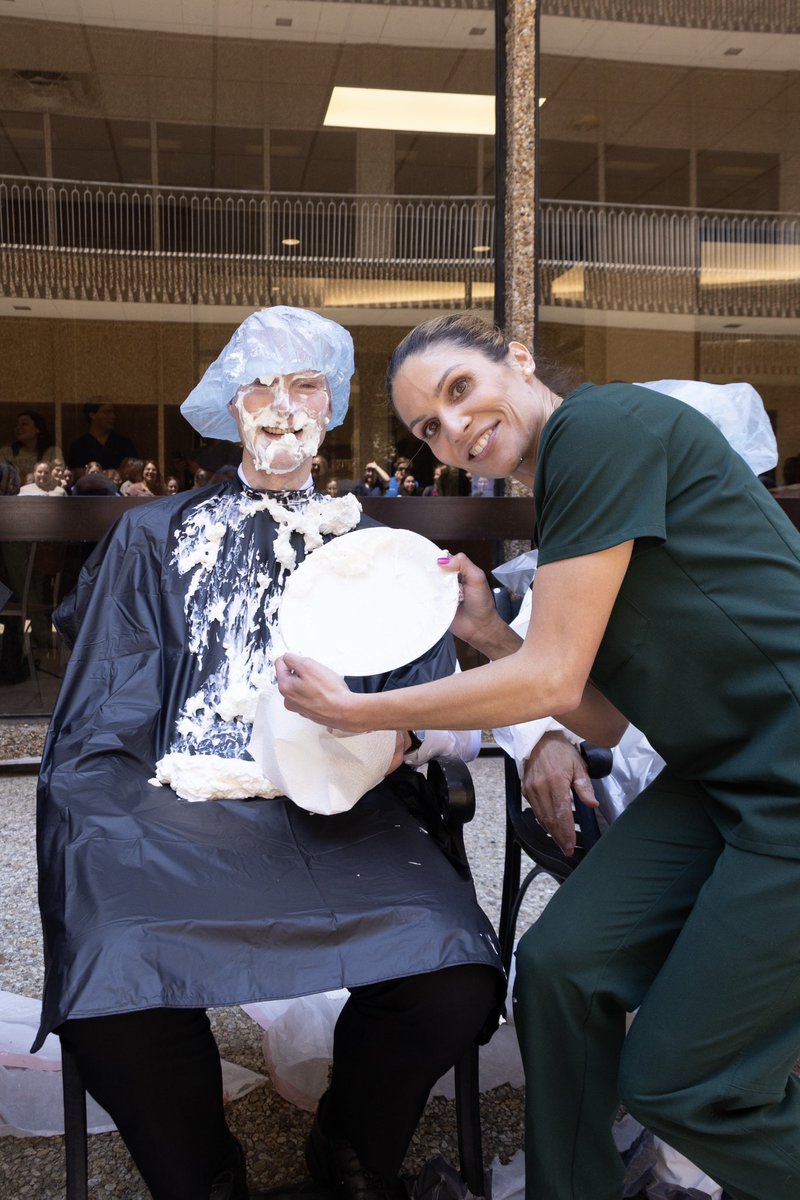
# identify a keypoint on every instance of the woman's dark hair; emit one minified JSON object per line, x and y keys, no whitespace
{"x":472,"y":332}
{"x":42,"y":433}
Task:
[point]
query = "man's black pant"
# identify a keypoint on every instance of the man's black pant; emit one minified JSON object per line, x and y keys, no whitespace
{"x":157,"y":1072}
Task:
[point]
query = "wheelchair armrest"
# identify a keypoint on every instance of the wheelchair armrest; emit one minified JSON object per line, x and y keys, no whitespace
{"x":454,"y":790}
{"x":598,"y":759}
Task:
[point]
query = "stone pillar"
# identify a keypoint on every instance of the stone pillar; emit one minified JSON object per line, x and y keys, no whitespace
{"x":520,"y":187}
{"x":521,"y":133}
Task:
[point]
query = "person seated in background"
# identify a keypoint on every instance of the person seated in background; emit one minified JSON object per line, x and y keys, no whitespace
{"x":320,"y":468}
{"x":95,"y":483}
{"x":332,"y":487}
{"x":409,"y":486}
{"x":201,"y":478}
{"x":31,"y":443}
{"x":373,"y":482}
{"x":100,"y":442}
{"x":173,"y":485}
{"x":401,"y":468}
{"x":42,"y":484}
{"x":131,"y":470}
{"x":151,"y":483}
{"x":172,"y":907}
{"x":93,"y":468}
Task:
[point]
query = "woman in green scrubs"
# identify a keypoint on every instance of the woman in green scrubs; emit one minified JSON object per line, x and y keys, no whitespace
{"x":668,"y":593}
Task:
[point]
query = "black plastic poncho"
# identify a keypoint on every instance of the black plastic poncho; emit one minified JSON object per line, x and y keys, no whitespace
{"x":148,"y":900}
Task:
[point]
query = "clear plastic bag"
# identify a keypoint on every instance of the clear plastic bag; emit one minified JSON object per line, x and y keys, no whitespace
{"x":738,"y":412}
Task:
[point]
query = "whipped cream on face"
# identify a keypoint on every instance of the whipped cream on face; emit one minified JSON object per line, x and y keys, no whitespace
{"x":231,"y":605}
{"x":288,"y":428}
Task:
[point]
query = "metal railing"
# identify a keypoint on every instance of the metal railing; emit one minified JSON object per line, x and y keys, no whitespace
{"x":169,"y":244}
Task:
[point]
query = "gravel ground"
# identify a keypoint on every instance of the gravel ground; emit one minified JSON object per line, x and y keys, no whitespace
{"x":272,"y":1131}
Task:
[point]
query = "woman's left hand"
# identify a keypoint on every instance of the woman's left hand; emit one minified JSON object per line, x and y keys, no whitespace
{"x":318,"y":693}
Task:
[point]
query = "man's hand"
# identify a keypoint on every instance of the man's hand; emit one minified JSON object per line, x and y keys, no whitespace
{"x":401,"y":749}
{"x":550,"y":774}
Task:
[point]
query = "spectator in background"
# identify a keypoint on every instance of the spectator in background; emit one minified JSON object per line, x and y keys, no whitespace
{"x":409,"y":486}
{"x":433,"y":489}
{"x":9,"y":479}
{"x":332,"y":487}
{"x":374,"y":481}
{"x":31,"y":443}
{"x":43,"y":483}
{"x":151,"y":479}
{"x":401,"y":468}
{"x":96,"y":483}
{"x":173,"y":485}
{"x":93,"y":468}
{"x":100,"y":442}
{"x":319,"y":472}
{"x":131,"y":471}
{"x":481,"y":486}
{"x":201,"y":477}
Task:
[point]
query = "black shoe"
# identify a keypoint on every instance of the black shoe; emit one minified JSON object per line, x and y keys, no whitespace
{"x":231,"y":1184}
{"x":335,"y":1165}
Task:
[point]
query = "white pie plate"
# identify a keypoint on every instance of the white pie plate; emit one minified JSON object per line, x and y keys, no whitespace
{"x":368,"y":601}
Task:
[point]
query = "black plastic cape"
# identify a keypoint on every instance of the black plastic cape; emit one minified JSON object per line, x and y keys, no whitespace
{"x":148,"y":900}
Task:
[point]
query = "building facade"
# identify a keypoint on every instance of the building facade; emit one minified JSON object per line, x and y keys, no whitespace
{"x":167,"y":167}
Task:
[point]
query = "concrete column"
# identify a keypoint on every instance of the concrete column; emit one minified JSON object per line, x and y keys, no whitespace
{"x":520,"y":180}
{"x":375,"y":178}
{"x":521,"y":133}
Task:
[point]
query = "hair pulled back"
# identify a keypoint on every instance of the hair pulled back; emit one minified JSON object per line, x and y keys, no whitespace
{"x":471,"y":331}
{"x":467,"y":329}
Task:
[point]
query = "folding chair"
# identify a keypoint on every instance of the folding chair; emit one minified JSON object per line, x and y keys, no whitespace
{"x":455,"y":799}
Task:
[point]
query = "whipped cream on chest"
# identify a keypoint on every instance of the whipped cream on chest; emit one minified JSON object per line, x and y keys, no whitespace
{"x":231,"y":605}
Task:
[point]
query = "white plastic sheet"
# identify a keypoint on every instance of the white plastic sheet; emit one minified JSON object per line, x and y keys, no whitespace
{"x":738,"y":412}
{"x":31,"y":1099}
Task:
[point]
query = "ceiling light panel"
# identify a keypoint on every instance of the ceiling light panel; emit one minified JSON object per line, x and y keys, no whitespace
{"x":411,"y":112}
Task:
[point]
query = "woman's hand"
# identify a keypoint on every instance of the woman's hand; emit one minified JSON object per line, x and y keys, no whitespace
{"x":477,"y":620}
{"x":318,"y":693}
{"x":551,"y":773}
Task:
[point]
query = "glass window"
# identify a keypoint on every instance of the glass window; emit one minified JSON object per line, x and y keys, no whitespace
{"x":646,"y":175}
{"x":21,"y":144}
{"x":321,"y":160}
{"x":110,"y":151}
{"x":738,"y":179}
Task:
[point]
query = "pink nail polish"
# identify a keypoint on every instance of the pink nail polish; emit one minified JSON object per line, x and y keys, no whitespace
{"x":444,"y":559}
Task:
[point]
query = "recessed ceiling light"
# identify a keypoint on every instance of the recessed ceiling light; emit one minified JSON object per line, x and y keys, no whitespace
{"x":733,"y":50}
{"x":290,"y":241}
{"x":22,"y":308}
{"x":477,"y":31}
{"x":734,"y":325}
{"x":481,"y":249}
{"x":284,"y":22}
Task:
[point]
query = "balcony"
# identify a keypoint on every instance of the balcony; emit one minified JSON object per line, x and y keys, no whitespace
{"x":143,"y":244}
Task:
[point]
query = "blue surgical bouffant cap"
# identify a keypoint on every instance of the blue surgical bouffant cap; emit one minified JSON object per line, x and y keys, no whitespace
{"x":273,"y":341}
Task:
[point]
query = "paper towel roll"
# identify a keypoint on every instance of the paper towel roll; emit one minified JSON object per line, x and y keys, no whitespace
{"x":319,"y":771}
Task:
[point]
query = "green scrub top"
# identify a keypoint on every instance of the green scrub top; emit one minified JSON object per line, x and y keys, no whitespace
{"x":702,"y":650}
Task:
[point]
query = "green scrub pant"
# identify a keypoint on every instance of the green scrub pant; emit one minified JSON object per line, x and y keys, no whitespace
{"x":703,"y":939}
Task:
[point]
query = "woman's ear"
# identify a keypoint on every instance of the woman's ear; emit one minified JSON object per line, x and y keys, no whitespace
{"x":522,"y":358}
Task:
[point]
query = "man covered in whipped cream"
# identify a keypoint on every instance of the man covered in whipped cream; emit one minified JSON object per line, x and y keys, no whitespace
{"x":156,"y":908}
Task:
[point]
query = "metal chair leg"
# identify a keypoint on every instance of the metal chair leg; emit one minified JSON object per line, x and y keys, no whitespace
{"x":76,"y":1146}
{"x":468,"y":1112}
